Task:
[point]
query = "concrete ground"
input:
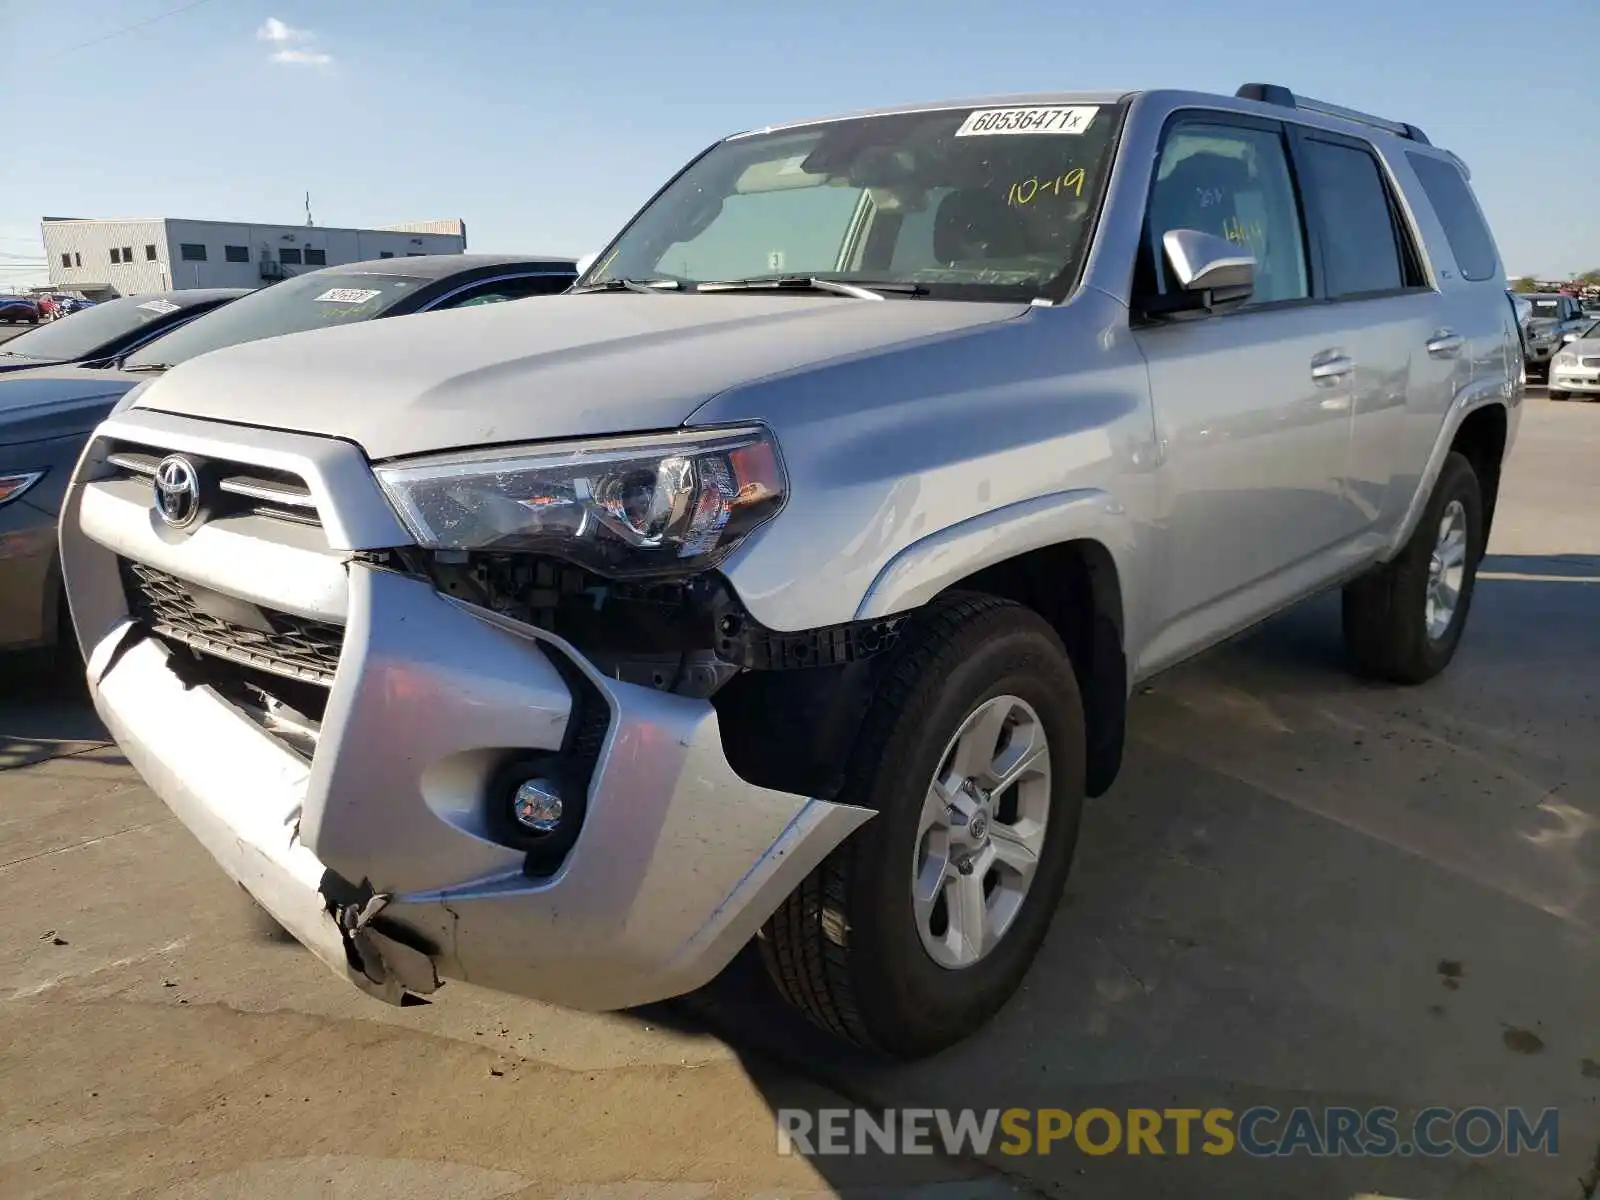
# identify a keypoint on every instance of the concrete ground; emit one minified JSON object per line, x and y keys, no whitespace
{"x":1303,"y":890}
{"x":7,"y":332}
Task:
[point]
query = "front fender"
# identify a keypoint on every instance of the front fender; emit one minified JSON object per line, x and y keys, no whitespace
{"x":933,"y":563}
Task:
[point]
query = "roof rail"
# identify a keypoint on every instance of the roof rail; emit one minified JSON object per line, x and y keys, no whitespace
{"x":1273,"y":93}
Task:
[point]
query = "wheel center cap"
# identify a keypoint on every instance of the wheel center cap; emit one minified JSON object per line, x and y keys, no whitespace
{"x":978,"y":827}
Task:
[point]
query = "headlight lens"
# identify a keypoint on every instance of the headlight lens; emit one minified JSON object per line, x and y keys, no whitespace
{"x":17,"y":482}
{"x":1566,"y":359}
{"x":651,"y":505}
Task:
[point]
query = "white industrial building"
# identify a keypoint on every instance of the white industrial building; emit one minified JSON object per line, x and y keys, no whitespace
{"x":122,"y":258}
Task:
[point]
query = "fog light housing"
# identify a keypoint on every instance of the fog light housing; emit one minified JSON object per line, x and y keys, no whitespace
{"x":536,"y":805}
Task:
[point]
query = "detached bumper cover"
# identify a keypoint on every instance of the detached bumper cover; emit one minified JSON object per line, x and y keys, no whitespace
{"x":678,"y":861}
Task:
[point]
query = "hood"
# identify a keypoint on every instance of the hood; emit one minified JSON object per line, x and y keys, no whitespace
{"x":51,"y":402}
{"x":1583,"y":347}
{"x":546,"y":367}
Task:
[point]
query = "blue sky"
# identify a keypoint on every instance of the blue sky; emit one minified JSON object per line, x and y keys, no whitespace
{"x":545,"y":126}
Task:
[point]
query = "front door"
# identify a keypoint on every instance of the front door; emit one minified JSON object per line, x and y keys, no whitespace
{"x":1253,"y":408}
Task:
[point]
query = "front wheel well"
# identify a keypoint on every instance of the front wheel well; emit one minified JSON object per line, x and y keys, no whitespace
{"x":1075,"y":587}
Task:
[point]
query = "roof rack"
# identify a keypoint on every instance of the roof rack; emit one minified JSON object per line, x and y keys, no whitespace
{"x":1273,"y":93}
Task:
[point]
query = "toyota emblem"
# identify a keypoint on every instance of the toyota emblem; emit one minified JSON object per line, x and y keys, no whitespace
{"x":177,"y":491}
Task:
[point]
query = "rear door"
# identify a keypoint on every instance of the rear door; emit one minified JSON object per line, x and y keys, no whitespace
{"x":1379,"y":310}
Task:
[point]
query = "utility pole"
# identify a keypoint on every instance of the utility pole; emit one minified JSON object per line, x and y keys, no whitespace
{"x":308,"y":210}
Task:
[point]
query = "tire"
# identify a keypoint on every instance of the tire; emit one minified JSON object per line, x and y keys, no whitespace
{"x":1556,"y":393}
{"x":846,"y":947}
{"x":1386,"y":612}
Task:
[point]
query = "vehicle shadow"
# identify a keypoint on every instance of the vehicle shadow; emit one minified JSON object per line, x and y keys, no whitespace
{"x":1305,"y":890}
{"x":45,"y":713}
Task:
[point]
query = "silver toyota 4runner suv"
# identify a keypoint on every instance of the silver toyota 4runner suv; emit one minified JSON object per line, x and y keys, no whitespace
{"x":787,"y":580}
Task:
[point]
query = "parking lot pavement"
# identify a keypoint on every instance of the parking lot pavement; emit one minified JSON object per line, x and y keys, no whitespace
{"x":7,"y":332}
{"x":1303,"y":891}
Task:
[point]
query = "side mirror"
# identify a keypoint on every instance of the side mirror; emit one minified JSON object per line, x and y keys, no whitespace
{"x":1212,"y":274}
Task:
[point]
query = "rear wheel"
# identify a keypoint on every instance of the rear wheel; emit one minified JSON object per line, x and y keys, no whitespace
{"x":912,"y":934}
{"x":1403,"y":622}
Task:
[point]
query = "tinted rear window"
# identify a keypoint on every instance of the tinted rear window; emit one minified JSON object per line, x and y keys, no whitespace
{"x":1451,"y":198}
{"x":1361,"y":246}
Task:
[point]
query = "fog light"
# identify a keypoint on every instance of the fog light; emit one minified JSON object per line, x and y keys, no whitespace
{"x":537,"y":806}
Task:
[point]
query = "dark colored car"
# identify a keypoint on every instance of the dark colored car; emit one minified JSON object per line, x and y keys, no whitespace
{"x":46,"y":414}
{"x":19,"y":308}
{"x":98,"y":336}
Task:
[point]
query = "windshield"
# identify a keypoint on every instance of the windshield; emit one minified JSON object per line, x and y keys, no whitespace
{"x":84,"y":332}
{"x":968,"y":204}
{"x":304,"y":302}
{"x":1545,"y":309}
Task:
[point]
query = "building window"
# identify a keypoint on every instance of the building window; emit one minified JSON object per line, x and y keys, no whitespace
{"x":386,"y":254}
{"x":127,"y":254}
{"x":149,"y":252}
{"x":116,"y":255}
{"x":192,"y":252}
{"x":236,"y":253}
{"x":413,"y":253}
{"x":315,"y":257}
{"x":66,"y":260}
{"x":77,"y":259}
{"x":289,"y":255}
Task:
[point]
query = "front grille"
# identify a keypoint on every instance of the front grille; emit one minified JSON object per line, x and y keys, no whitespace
{"x":290,"y":646}
{"x":1591,"y":362}
{"x":228,"y":489}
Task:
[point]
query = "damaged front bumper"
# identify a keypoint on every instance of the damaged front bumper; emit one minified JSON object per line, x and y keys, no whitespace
{"x":370,"y":832}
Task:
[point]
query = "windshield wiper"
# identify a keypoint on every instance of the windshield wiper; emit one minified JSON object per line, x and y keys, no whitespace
{"x":648,"y":286}
{"x":149,"y":367}
{"x":870,"y":290}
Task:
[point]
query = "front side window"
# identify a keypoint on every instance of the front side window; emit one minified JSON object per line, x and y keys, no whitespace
{"x":961,"y":203}
{"x":1232,"y":181}
{"x":1361,"y":245}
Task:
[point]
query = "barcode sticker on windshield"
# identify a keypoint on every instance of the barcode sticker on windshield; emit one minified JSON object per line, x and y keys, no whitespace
{"x":349,"y":295}
{"x":162,"y":307}
{"x":1026,"y":120}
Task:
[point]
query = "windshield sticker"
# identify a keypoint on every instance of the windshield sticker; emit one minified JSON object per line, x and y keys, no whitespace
{"x":348,"y":295}
{"x":1026,"y":191}
{"x":160,"y":307}
{"x":1026,"y":120}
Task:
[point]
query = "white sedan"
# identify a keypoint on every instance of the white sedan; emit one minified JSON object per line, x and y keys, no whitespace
{"x":1575,"y":369}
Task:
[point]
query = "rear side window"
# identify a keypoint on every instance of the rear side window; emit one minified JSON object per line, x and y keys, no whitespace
{"x":1451,"y":198}
{"x":1361,"y":244}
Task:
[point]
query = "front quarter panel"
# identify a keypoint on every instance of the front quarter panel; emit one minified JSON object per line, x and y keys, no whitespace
{"x":895,"y":460}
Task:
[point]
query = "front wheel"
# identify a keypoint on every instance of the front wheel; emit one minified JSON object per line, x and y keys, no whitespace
{"x":912,"y":934}
{"x":1556,"y":393}
{"x":1403,"y":621}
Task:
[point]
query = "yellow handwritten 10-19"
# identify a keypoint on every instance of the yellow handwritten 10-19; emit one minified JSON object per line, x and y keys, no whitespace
{"x":1028,"y":190}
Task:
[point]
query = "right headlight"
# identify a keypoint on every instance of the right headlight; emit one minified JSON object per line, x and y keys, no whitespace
{"x":1566,"y":359}
{"x":654,"y":504}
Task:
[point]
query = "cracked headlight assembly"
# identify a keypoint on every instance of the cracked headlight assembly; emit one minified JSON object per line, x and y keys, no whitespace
{"x":654,"y":504}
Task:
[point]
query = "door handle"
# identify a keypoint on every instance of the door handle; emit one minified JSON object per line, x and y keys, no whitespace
{"x":1445,"y":343}
{"x":1331,"y":366}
